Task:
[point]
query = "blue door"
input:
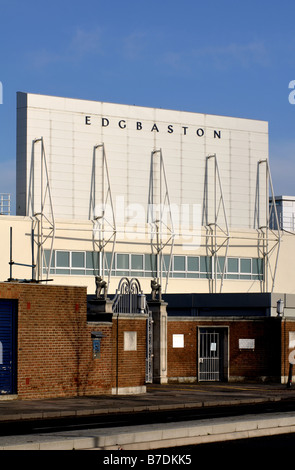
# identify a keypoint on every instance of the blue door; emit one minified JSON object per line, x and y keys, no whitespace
{"x":7,"y":347}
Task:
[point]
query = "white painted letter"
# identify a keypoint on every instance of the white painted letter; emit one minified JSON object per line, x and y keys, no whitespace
{"x":292,"y":94}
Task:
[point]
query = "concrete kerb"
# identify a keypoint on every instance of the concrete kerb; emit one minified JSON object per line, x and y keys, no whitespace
{"x":80,"y":412}
{"x":157,"y":436}
{"x":202,"y":431}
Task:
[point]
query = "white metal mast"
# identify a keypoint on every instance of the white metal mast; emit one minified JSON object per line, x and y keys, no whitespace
{"x":40,"y":208}
{"x":215,"y":220}
{"x":101,"y":210}
{"x":159,"y":217}
{"x":264,"y":211}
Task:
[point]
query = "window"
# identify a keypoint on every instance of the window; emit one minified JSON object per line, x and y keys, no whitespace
{"x":122,"y":264}
{"x":91,"y":263}
{"x":150,"y":265}
{"x":232,"y":268}
{"x":220,"y":266}
{"x":257,"y":268}
{"x":78,"y":262}
{"x":145,"y":265}
{"x":46,"y":261}
{"x":167,"y":264}
{"x":205,"y":267}
{"x":193,"y":266}
{"x":179,"y":263}
{"x":137,"y":265}
{"x":78,"y":259}
{"x":179,"y":266}
{"x":245,"y":268}
{"x":62,"y":262}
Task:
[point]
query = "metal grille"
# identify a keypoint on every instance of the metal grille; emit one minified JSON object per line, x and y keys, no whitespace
{"x":129,"y":297}
{"x":149,"y":350}
{"x":209,"y":355}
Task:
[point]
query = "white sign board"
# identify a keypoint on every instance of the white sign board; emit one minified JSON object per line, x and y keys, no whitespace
{"x":291,"y":339}
{"x":246,"y":343}
{"x":130,"y":340}
{"x":178,"y":341}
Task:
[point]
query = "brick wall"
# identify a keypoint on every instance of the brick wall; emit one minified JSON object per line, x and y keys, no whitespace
{"x":129,"y":365}
{"x":54,"y":344}
{"x":259,"y":364}
{"x":264,"y":361}
{"x":182,"y":362}
{"x":55,"y":355}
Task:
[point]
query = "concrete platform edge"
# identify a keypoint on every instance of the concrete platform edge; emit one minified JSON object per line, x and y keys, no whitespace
{"x":159,"y":436}
{"x":30,"y":415}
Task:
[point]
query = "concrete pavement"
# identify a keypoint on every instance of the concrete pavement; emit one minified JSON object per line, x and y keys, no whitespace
{"x":158,"y":397}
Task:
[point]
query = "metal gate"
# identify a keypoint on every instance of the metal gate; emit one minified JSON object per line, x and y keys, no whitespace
{"x":7,"y":347}
{"x":210,"y":354}
{"x":129,"y":298}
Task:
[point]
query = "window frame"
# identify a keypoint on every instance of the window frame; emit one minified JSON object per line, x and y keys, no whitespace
{"x":255,"y":273}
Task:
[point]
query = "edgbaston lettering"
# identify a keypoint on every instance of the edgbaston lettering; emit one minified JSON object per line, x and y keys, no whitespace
{"x":155,"y":127}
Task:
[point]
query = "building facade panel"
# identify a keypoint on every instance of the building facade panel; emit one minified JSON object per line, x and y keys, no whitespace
{"x":130,"y":134}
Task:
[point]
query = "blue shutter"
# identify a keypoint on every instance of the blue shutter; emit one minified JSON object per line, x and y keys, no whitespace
{"x":7,"y":347}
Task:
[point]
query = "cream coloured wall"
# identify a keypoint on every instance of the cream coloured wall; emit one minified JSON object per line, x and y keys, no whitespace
{"x":75,"y":172}
{"x":71,"y":129}
{"x":77,"y":236}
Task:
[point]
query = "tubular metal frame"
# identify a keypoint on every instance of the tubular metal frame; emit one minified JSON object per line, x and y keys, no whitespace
{"x":264,"y":230}
{"x":159,"y":198}
{"x":101,"y":225}
{"x":40,"y":218}
{"x":266,"y":245}
{"x":214,"y":231}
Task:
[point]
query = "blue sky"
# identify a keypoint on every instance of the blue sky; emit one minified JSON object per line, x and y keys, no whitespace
{"x":217,"y":57}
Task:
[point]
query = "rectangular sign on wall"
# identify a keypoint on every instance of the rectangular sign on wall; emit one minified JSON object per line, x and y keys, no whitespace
{"x":247,"y":344}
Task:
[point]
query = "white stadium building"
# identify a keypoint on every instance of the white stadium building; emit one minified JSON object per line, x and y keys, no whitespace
{"x":116,"y":190}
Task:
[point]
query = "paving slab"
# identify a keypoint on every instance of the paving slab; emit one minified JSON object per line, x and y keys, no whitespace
{"x":158,"y":397}
{"x":155,"y":436}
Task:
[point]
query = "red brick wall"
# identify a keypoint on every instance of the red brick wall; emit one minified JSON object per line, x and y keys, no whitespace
{"x":263,"y":362}
{"x":182,"y":362}
{"x":129,"y":366}
{"x":54,"y":344}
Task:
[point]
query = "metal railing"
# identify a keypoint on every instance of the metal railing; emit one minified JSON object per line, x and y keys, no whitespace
{"x":129,"y":297}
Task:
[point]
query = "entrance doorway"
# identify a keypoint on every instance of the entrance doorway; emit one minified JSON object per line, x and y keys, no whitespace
{"x":212,"y":354}
{"x":7,"y":347}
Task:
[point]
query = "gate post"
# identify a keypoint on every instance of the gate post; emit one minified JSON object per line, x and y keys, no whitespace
{"x":159,"y":313}
{"x":99,"y":310}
